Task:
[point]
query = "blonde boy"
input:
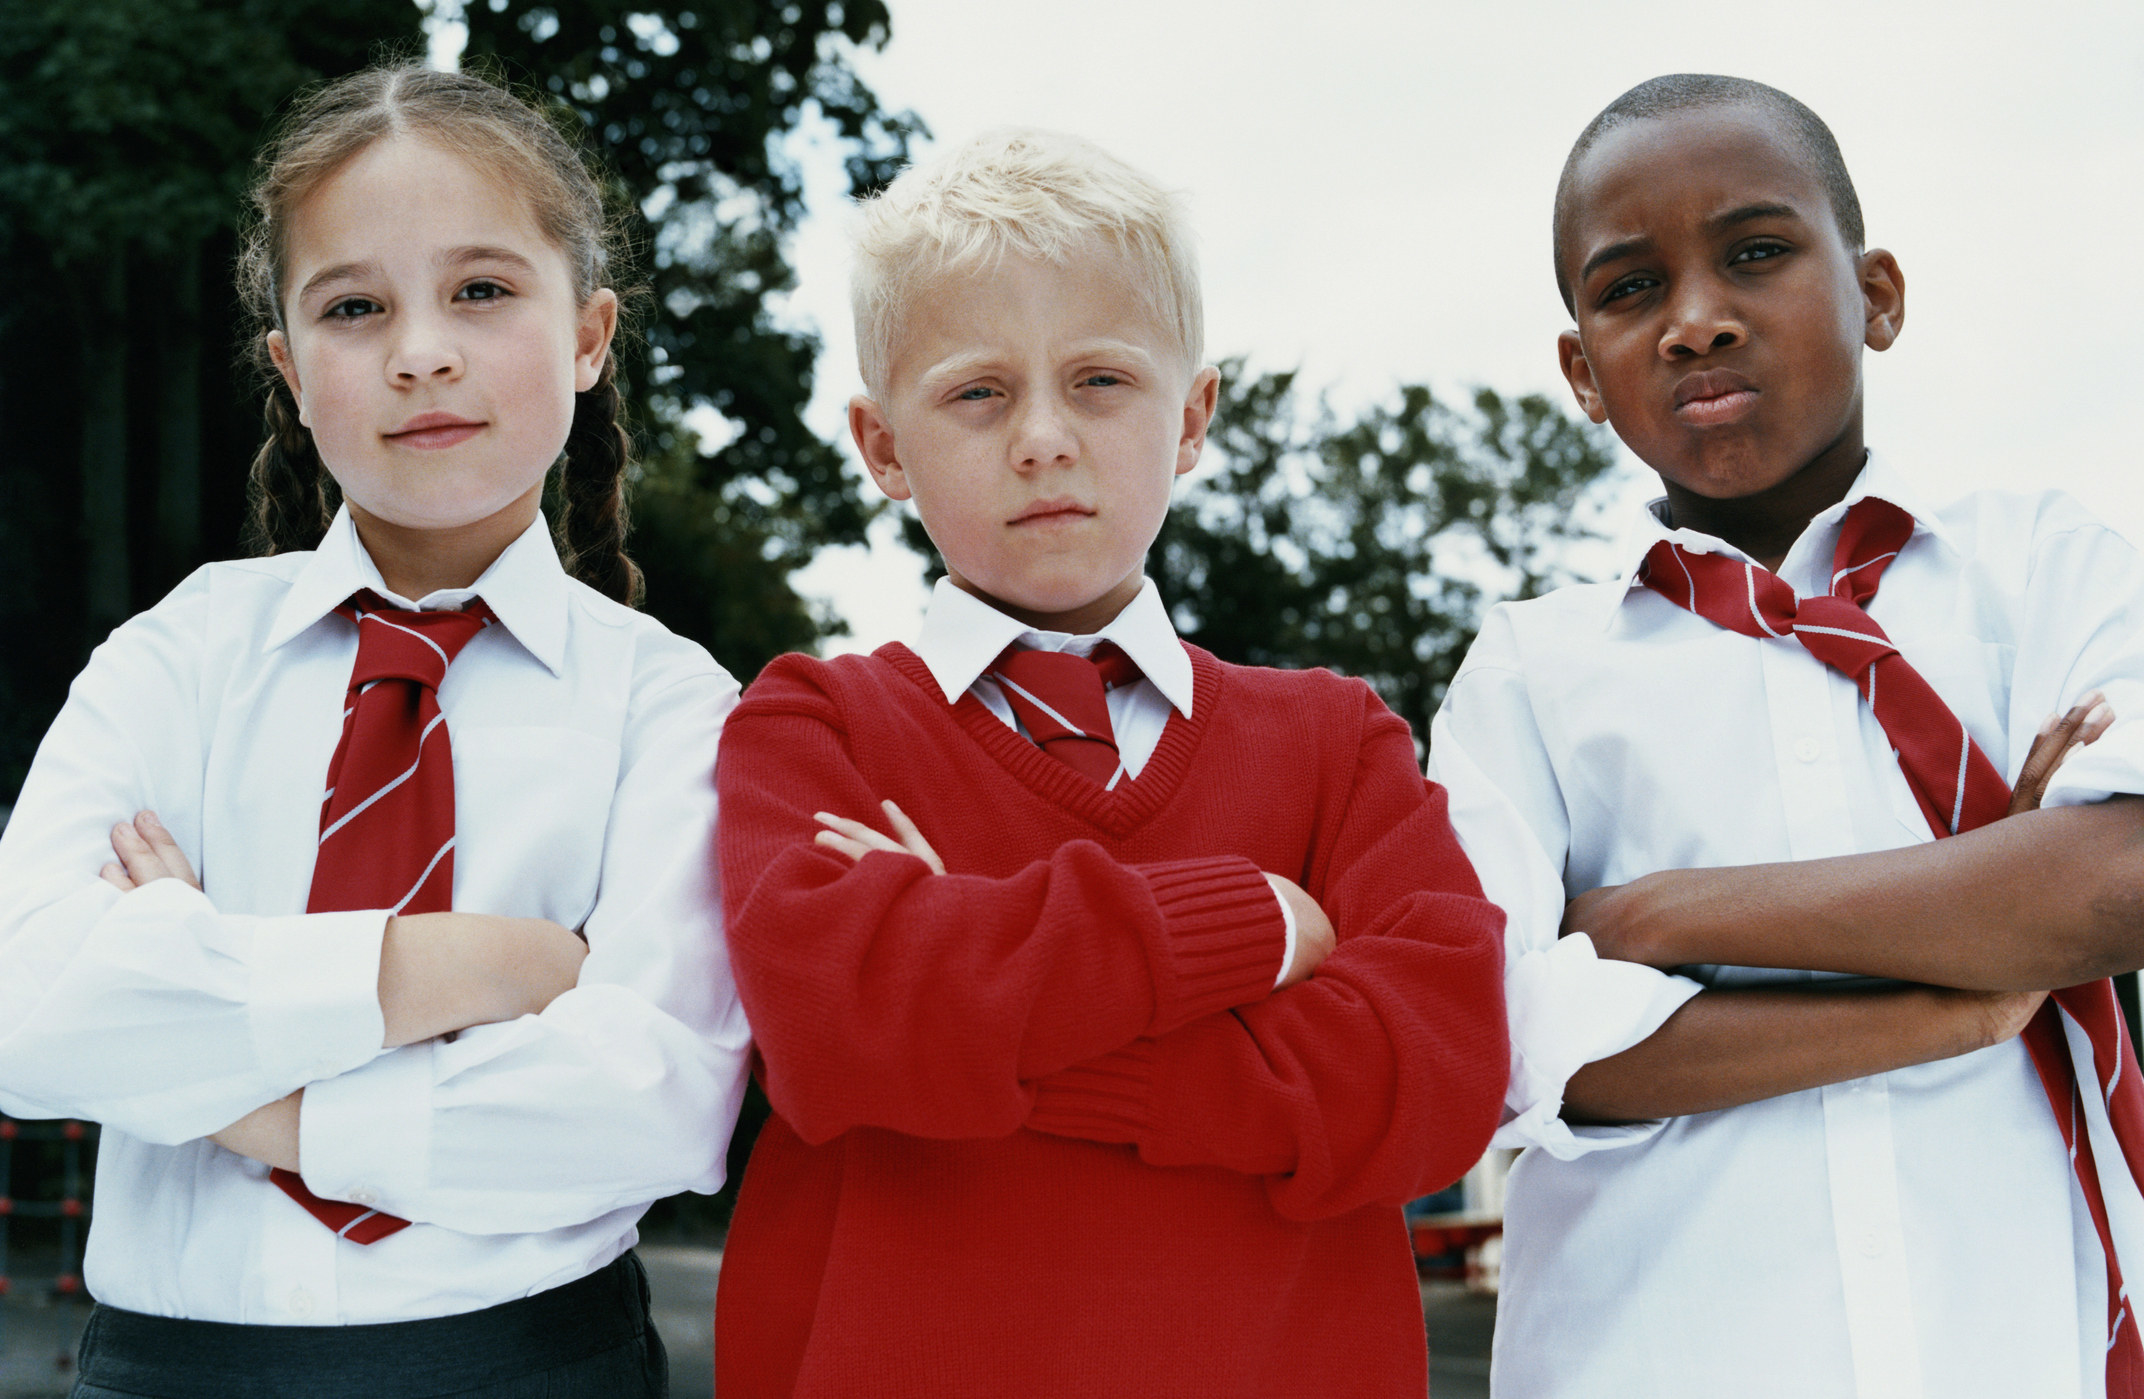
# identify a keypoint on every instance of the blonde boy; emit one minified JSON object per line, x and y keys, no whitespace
{"x":1069,"y":1096}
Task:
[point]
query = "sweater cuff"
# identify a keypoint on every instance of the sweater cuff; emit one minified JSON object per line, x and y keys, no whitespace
{"x":1109,"y":1099}
{"x":1222,"y":932}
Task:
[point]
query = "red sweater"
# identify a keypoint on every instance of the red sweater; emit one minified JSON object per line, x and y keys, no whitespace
{"x":1042,"y":1126}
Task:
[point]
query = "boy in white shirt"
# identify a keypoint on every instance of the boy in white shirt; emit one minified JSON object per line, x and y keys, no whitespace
{"x":1756,"y":1178}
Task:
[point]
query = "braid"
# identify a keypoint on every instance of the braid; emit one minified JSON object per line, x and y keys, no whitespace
{"x":591,"y":528}
{"x":292,"y":499}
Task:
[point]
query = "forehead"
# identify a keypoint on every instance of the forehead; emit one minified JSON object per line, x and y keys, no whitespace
{"x":405,"y":193}
{"x":1646,"y":176}
{"x":1017,"y":308}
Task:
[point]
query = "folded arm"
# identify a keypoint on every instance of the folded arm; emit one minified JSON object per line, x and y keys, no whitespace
{"x":1375,"y":1080}
{"x":624,"y":1088}
{"x":883,"y":994}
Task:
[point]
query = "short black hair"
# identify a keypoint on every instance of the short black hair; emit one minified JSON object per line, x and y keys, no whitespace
{"x":1688,"y":92}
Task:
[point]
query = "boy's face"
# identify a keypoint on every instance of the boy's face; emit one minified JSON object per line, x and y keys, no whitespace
{"x":1037,"y":416}
{"x":1721,"y":315}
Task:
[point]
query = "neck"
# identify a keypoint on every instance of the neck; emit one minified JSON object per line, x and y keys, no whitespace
{"x":1084,"y":620}
{"x":416,"y":560}
{"x":1765,"y":525}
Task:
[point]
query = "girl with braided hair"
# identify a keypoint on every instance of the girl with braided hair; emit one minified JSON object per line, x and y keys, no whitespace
{"x":387,"y":1086}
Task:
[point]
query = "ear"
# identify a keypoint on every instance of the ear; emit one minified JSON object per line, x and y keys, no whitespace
{"x":873,"y":431}
{"x":1199,"y":406}
{"x":1571,"y":354}
{"x":286,"y":365}
{"x":597,"y":323}
{"x":1883,"y":299}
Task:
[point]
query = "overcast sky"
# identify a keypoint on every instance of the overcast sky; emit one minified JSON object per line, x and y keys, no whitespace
{"x":1371,"y":185}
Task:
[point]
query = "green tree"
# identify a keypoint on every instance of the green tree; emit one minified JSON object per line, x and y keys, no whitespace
{"x":1373,"y":544}
{"x":698,"y":109}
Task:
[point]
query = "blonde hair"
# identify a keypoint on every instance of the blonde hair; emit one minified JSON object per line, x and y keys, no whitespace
{"x":293,"y":497}
{"x":1036,"y":194}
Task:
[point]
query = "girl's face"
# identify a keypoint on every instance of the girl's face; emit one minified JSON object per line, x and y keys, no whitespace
{"x":433,"y":341}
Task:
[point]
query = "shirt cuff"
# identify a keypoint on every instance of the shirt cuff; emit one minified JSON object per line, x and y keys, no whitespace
{"x":316,"y":992}
{"x":1109,"y":1099}
{"x":1568,"y":1007}
{"x":1287,"y":947}
{"x":366,"y":1136}
{"x":1220,"y":934}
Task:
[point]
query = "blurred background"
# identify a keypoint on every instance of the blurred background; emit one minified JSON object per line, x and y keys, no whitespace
{"x":1371,"y":181}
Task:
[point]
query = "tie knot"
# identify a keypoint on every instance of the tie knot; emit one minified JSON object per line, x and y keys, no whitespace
{"x":395,"y":643}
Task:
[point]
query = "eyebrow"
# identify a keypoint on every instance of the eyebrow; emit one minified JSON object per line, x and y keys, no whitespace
{"x":1747,"y":213}
{"x":1750,"y":213}
{"x":452,"y":258}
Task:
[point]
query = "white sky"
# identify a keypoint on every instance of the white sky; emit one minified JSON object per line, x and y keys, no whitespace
{"x":1371,"y":182}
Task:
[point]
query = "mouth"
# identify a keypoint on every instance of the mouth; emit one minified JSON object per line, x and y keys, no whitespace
{"x":434,"y":430}
{"x":1714,"y":396}
{"x":1061,"y":510}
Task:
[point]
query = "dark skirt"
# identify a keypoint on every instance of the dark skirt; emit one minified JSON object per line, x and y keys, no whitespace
{"x":589,"y":1338}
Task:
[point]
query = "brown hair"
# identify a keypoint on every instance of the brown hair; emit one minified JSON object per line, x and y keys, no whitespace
{"x":293,"y":498}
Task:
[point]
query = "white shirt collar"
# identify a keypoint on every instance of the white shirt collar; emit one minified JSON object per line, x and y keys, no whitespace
{"x":525,"y":588}
{"x":1878,"y":478}
{"x":962,"y":635}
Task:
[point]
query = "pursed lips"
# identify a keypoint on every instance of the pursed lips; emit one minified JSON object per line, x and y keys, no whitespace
{"x":1714,"y":396}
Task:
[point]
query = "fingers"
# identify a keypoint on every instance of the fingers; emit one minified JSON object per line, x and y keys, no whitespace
{"x":854,"y":839}
{"x":2083,"y":723}
{"x":165,"y":848}
{"x":116,"y":875}
{"x":911,"y":838}
{"x":142,"y":865}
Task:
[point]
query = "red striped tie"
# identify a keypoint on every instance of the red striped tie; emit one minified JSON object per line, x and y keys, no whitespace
{"x":387,"y":821}
{"x":1062,"y":700}
{"x":1958,"y":789}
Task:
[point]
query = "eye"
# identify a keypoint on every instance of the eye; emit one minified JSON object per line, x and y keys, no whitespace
{"x":482,"y":291}
{"x":1102,"y":380}
{"x":1758,"y":252}
{"x":350,"y":308}
{"x":1629,"y":286}
{"x":975,"y":393}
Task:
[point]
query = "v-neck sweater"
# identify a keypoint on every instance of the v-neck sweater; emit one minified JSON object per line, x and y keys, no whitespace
{"x":1041,"y":1124}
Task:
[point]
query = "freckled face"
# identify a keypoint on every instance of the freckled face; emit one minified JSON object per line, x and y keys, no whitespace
{"x":1721,"y":316}
{"x":1038,"y":416}
{"x":432,"y":340}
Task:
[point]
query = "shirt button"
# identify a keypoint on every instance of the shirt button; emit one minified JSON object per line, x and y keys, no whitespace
{"x":364,"y":1197}
{"x":1872,"y":1244}
{"x":1808,"y":750}
{"x":301,"y":1302}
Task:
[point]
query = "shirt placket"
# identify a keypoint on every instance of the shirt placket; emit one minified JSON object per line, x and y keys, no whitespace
{"x":1812,"y":722}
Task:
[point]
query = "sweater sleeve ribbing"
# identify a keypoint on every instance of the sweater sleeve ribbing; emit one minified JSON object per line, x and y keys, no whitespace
{"x":883,"y":995}
{"x":1377,"y":1079}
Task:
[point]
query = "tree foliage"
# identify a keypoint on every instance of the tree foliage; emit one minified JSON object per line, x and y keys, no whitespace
{"x":1371,"y":544}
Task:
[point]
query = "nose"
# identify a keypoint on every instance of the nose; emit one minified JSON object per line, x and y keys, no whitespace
{"x":1043,"y":434}
{"x":422,"y":348}
{"x":1702,"y":320}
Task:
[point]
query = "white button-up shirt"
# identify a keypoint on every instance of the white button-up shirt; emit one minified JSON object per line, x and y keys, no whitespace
{"x":584,"y":745}
{"x":962,"y":635}
{"x":1910,"y":1235}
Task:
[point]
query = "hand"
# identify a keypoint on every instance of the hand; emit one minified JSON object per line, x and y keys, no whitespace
{"x":1992,"y":1017}
{"x":268,"y":1134}
{"x":855,"y":840}
{"x":1314,"y":936}
{"x":1592,"y":913}
{"x":2086,"y":721}
{"x":146,"y":852}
